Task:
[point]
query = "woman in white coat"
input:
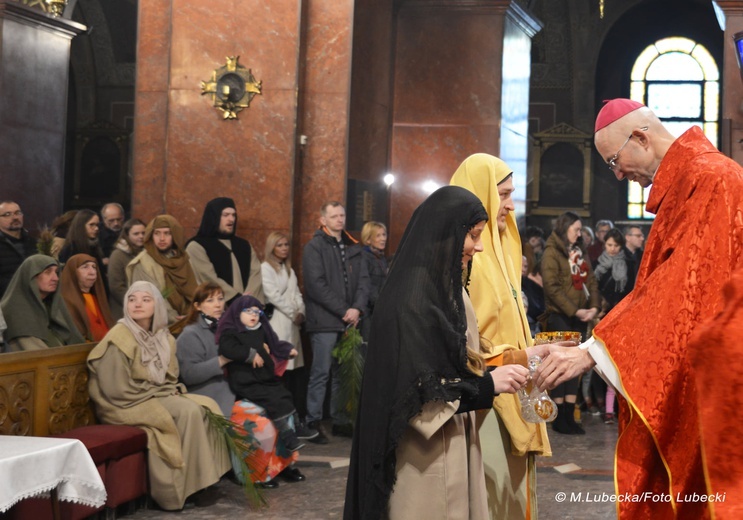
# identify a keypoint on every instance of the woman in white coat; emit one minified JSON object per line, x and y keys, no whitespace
{"x":282,"y":291}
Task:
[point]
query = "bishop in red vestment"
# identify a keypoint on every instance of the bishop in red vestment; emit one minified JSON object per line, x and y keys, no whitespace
{"x":643,"y":344}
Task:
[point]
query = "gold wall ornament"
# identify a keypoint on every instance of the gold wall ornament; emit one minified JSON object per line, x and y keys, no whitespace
{"x":56,"y":7}
{"x":231,"y":88}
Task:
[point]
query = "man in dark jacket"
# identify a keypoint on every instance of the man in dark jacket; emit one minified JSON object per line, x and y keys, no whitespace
{"x":635,"y":239}
{"x":15,"y":243}
{"x":336,"y":289}
{"x":112,"y":215}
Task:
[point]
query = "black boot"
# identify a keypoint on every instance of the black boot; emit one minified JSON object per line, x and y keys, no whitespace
{"x":573,"y":426}
{"x":560,"y":424}
{"x":291,"y":440}
{"x":288,"y":435}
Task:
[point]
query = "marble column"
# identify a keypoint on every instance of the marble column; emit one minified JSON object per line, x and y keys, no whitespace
{"x":461,"y":86}
{"x":185,"y":152}
{"x":325,"y":98}
{"x":34,"y":70}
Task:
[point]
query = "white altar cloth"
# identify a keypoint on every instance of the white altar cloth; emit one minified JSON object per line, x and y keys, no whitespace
{"x":33,"y":466}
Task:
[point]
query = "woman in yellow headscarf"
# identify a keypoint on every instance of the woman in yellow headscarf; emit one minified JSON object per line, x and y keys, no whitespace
{"x":509,"y":443}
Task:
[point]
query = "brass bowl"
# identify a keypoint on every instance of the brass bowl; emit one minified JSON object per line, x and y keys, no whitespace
{"x":555,"y":336}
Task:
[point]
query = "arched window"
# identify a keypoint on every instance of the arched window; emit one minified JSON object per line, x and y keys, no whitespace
{"x":678,"y":79}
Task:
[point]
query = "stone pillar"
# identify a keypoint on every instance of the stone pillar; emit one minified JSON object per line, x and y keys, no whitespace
{"x":34,"y":70}
{"x":325,"y":95}
{"x":731,"y":82}
{"x":461,"y":86}
{"x":185,"y":153}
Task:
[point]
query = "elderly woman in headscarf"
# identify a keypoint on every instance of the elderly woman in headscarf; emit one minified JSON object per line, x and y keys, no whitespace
{"x":495,"y":290}
{"x":85,"y":297}
{"x":416,"y":447}
{"x":34,"y":310}
{"x":134,"y":381}
{"x":165,"y":263}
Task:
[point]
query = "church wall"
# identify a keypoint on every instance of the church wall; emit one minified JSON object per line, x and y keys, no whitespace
{"x":185,"y":152}
{"x":324,"y":115}
{"x":453,"y":97}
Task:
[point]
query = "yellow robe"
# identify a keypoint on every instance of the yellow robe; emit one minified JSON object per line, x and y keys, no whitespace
{"x":509,"y":443}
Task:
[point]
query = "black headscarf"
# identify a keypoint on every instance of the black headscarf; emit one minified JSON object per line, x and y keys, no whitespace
{"x":209,"y":238}
{"x":417,"y":348}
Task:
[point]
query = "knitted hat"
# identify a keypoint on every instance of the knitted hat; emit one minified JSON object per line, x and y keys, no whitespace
{"x":615,"y":109}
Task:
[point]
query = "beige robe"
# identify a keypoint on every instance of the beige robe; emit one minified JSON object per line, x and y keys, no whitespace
{"x":184,"y":455}
{"x":204,"y":271}
{"x":143,"y":268}
{"x":439,"y":472}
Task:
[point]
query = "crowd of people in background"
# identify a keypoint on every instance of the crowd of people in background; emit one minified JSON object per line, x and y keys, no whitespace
{"x":254,"y":367}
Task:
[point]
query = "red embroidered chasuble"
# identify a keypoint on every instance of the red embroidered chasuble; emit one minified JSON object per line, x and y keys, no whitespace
{"x":715,"y":350}
{"x":693,"y":248}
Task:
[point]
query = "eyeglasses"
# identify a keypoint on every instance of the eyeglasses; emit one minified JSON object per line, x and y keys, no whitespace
{"x":254,"y":312}
{"x":9,"y":214}
{"x":640,"y":235}
{"x":612,"y":163}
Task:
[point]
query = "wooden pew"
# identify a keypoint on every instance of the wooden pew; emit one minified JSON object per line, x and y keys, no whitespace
{"x":45,"y":393}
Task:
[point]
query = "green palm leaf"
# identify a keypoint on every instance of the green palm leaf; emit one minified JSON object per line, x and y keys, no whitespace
{"x":350,"y":369}
{"x":240,"y":445}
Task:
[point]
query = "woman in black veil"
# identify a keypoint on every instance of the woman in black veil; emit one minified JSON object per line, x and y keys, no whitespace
{"x":416,"y":447}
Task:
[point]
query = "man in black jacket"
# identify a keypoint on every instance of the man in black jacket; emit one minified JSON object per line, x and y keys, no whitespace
{"x":336,"y":285}
{"x":15,"y":243}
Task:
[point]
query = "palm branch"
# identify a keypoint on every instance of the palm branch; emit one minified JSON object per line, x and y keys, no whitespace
{"x":240,"y":445}
{"x":46,"y":240}
{"x":350,"y":368}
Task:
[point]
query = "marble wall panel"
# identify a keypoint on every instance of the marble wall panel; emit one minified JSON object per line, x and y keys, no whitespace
{"x":448,"y":67}
{"x":250,"y":159}
{"x":429,"y":154}
{"x":246,"y":159}
{"x":371,"y":90}
{"x":324,"y":163}
{"x":153,"y":45}
{"x":325,"y":99}
{"x":150,"y":139}
{"x":447,"y":99}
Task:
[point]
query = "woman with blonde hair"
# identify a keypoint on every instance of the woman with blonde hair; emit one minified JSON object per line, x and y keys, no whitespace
{"x":282,"y":292}
{"x":374,"y":238}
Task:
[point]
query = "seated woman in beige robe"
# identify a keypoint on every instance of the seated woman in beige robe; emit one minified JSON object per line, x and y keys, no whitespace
{"x":416,"y":449}
{"x":134,"y":381}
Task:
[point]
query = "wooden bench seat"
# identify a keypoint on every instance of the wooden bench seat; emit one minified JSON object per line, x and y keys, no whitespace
{"x":45,"y":393}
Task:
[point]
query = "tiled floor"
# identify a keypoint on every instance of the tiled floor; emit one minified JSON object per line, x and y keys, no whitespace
{"x":321,"y":495}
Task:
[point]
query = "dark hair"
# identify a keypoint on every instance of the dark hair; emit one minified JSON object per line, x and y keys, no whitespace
{"x":534,"y":231}
{"x":616,"y":235}
{"x":61,"y":224}
{"x":562,"y":224}
{"x":126,"y":228}
{"x":200,"y":295}
{"x":77,"y":236}
{"x":628,"y":229}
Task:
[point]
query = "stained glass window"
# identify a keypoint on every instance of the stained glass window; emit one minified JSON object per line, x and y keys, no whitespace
{"x":679,"y":80}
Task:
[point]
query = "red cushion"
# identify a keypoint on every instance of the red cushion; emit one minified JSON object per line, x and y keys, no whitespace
{"x":107,"y":441}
